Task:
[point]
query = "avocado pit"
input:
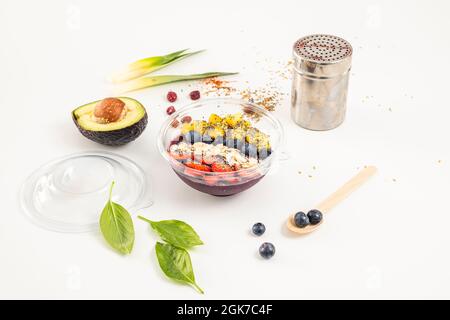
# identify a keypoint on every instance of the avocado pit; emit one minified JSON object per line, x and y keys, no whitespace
{"x":109,"y":110}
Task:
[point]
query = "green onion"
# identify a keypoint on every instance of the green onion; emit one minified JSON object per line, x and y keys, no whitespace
{"x":149,"y":65}
{"x":147,"y":82}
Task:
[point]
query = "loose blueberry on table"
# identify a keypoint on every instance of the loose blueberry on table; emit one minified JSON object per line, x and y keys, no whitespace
{"x":258,"y":229}
{"x":267,"y":250}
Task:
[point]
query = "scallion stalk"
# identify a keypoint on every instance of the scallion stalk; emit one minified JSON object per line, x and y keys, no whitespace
{"x":147,"y":82}
{"x":148,"y":65}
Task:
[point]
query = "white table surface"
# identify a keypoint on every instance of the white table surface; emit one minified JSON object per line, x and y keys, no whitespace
{"x":389,"y":240}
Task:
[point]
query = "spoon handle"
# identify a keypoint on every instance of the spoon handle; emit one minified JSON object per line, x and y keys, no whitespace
{"x":344,"y":191}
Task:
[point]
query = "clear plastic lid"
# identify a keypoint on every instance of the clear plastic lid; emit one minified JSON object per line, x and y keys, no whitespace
{"x":69,"y":193}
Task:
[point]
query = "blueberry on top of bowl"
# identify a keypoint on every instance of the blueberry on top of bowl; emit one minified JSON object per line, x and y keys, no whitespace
{"x":192,"y":137}
{"x":206,"y":138}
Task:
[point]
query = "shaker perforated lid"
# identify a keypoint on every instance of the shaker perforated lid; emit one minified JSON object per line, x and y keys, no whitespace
{"x":322,"y":55}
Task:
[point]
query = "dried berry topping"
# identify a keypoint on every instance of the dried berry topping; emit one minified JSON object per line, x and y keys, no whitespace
{"x":171,"y":96}
{"x":186,"y":119}
{"x":194,"y":95}
{"x":170,"y":110}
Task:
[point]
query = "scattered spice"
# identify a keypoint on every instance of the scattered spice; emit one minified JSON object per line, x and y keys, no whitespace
{"x":268,"y":96}
{"x":219,"y":87}
{"x":283,"y":70}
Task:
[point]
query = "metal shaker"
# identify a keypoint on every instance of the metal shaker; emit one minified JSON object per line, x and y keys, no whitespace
{"x":320,"y":82}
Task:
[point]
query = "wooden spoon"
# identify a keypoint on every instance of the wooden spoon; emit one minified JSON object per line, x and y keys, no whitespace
{"x":335,"y":198}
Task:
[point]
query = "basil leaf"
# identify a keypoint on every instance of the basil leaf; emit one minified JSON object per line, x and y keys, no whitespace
{"x":176,"y":264}
{"x":175,"y":232}
{"x":116,"y":226}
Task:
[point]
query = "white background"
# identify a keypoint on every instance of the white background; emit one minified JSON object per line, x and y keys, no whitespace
{"x":389,"y":240}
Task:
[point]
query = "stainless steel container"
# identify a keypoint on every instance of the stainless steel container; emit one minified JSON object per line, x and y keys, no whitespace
{"x":320,"y":82}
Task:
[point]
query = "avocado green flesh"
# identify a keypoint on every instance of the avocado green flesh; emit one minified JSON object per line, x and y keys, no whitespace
{"x":85,"y":118}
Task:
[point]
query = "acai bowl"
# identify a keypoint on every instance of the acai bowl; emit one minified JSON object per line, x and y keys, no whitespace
{"x":221,"y":146}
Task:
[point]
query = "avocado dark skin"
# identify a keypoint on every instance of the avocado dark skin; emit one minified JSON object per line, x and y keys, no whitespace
{"x":114,"y":138}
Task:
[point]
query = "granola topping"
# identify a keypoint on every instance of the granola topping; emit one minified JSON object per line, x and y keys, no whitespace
{"x":209,"y":153}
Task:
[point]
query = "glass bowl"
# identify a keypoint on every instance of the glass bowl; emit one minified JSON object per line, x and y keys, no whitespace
{"x":173,"y":131}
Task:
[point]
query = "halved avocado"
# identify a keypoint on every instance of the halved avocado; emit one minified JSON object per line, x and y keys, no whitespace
{"x":120,"y":132}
